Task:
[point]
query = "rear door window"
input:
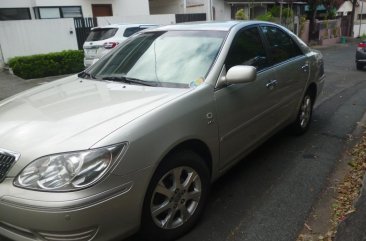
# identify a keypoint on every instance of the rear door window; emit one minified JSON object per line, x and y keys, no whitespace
{"x":282,"y":46}
{"x":101,"y":34}
{"x":247,"y":49}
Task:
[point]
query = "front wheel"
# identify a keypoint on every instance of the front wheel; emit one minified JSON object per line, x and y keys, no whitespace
{"x":303,"y":119}
{"x":359,"y":66}
{"x":176,"y":197}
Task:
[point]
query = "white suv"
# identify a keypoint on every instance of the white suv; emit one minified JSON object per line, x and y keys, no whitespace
{"x":102,"y":39}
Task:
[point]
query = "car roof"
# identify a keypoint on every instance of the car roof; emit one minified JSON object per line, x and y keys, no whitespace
{"x":127,"y":25}
{"x":218,"y":26}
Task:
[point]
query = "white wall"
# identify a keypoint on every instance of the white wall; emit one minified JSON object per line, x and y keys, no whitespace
{"x":120,"y":7}
{"x":356,"y":30}
{"x":25,"y":37}
{"x":16,"y":3}
{"x":166,"y":6}
{"x":131,"y":7}
{"x":222,"y":10}
{"x":162,"y":19}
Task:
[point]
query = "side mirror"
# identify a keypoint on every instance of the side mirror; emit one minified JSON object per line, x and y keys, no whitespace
{"x":241,"y":74}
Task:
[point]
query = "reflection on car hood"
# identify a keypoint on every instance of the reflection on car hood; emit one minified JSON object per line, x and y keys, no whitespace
{"x":73,"y":114}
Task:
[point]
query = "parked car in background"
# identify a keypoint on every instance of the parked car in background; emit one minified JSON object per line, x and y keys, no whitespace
{"x":361,"y":55}
{"x":135,"y":141}
{"x":101,"y":40}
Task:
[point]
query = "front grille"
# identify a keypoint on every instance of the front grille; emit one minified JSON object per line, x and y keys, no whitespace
{"x":6,"y":161}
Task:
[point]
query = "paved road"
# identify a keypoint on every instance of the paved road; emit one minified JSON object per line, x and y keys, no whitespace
{"x":269,"y":194}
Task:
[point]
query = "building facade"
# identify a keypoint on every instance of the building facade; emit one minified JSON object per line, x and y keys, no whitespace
{"x":51,"y":9}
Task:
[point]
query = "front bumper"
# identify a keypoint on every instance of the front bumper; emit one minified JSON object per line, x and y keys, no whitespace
{"x":79,"y":216}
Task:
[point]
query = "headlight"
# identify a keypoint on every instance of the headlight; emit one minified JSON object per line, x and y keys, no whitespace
{"x":68,"y":171}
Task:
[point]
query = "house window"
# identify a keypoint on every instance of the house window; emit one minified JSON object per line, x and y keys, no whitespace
{"x":58,"y":12}
{"x":49,"y":13}
{"x":71,"y":12}
{"x":363,"y":16}
{"x":14,"y":14}
{"x":102,"y":10}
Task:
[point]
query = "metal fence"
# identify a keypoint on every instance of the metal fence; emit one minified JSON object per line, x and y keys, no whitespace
{"x":190,"y":17}
{"x":83,"y":27}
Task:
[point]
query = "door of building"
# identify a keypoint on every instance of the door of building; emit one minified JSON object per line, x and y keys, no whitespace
{"x":102,"y":10}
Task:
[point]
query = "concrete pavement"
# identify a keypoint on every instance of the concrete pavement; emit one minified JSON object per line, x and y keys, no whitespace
{"x":353,"y":227}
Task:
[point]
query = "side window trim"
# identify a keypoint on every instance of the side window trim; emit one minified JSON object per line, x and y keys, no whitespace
{"x":268,"y":46}
{"x":257,"y":26}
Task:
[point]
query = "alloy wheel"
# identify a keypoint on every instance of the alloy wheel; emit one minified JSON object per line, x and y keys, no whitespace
{"x":305,"y":112}
{"x":176,"y":197}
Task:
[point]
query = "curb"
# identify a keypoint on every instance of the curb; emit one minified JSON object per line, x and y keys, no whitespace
{"x":353,"y":222}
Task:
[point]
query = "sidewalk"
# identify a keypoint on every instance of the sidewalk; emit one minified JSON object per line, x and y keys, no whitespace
{"x":12,"y":84}
{"x":350,"y":41}
{"x":353,"y":228}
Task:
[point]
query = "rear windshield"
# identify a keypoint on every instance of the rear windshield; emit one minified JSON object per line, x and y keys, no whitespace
{"x":101,"y":34}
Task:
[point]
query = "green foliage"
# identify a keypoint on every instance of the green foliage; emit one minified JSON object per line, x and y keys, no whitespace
{"x":335,"y":32}
{"x":240,"y":15}
{"x":276,"y":12}
{"x":43,"y":65}
{"x":302,"y":24}
{"x":363,"y":36}
{"x":266,"y":17}
{"x":332,"y":13}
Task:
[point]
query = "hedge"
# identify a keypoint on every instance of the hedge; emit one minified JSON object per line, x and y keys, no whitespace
{"x":44,"y":65}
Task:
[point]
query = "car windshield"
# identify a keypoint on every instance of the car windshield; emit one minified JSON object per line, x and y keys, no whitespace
{"x":168,"y":58}
{"x":101,"y":34}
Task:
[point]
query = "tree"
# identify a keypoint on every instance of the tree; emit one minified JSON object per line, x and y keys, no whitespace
{"x":350,"y":30}
{"x":240,"y":15}
{"x":330,"y":5}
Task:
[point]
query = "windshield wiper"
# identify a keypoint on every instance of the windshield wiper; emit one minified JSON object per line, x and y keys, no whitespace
{"x":86,"y":75}
{"x":129,"y":80}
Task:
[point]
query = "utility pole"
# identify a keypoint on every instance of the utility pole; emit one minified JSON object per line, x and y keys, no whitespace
{"x":350,"y":30}
{"x":359,"y":31}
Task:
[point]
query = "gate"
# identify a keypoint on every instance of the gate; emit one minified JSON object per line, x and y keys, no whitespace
{"x":190,"y":17}
{"x":345,"y":22}
{"x":82,"y":28}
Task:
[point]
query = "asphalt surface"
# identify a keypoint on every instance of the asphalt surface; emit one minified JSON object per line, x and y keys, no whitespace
{"x":353,"y":228}
{"x":270,"y":193}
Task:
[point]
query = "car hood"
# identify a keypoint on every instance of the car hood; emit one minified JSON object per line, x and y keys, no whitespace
{"x":73,"y":114}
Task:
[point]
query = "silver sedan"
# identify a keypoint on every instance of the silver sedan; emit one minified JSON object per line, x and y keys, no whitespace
{"x":134,"y":142}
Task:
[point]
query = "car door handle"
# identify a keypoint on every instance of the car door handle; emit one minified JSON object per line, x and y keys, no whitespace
{"x":271,"y":84}
{"x":305,"y":67}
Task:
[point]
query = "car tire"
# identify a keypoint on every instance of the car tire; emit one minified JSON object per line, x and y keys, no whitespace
{"x":303,"y":119}
{"x":176,"y":197}
{"x":359,"y":66}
